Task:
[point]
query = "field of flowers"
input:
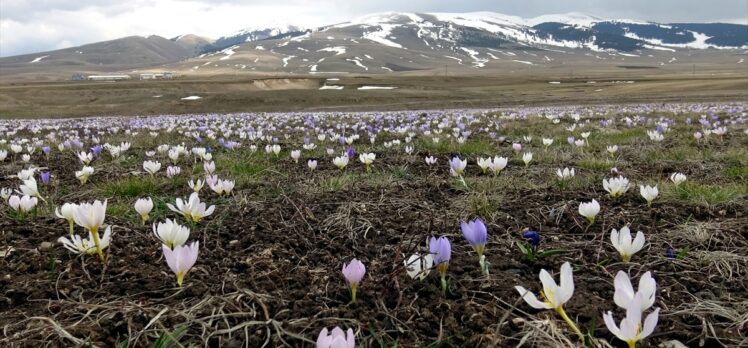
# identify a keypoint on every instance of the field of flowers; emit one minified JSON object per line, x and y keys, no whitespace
{"x":601,"y":226}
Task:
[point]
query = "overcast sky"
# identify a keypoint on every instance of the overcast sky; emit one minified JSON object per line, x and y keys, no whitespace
{"x":28,"y":26}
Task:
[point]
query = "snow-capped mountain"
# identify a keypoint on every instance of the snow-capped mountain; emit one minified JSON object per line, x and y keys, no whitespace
{"x":253,"y":34}
{"x":383,"y":43}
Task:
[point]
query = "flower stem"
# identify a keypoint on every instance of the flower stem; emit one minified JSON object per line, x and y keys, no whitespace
{"x":97,"y":243}
{"x":574,"y":327}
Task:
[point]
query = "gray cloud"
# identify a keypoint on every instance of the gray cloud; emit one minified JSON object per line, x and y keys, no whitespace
{"x":32,"y":26}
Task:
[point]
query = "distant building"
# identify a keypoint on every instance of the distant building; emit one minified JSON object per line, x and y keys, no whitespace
{"x":78,"y":77}
{"x":157,"y":76}
{"x":108,"y":77}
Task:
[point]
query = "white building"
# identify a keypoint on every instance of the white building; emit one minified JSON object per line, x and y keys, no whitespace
{"x":157,"y":76}
{"x":108,"y":77}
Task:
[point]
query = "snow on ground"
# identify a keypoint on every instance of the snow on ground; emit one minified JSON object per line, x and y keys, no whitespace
{"x":285,"y":60}
{"x":381,"y":36}
{"x":337,"y":49}
{"x":228,"y":52}
{"x":192,"y":97}
{"x":38,"y":59}
{"x":477,"y":61}
{"x":357,"y":61}
{"x":331,"y":87}
{"x":459,"y":61}
{"x":313,"y":68}
{"x":741,"y":60}
{"x":386,"y":68}
{"x":365,"y":88}
{"x":523,"y":62}
{"x":628,"y":54}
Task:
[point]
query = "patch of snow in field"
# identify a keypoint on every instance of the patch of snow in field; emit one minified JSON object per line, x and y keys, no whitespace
{"x":302,"y":49}
{"x":380,"y":36}
{"x":38,"y":59}
{"x":207,"y":63}
{"x":337,"y":49}
{"x":477,"y":62}
{"x":260,"y":48}
{"x":628,"y":54}
{"x":659,"y":48}
{"x":555,"y":82}
{"x":368,"y":56}
{"x":741,"y":60}
{"x":459,"y":61}
{"x":228,"y":52}
{"x":158,"y":96}
{"x":336,"y":87}
{"x":313,"y":68}
{"x":523,"y":62}
{"x":285,"y":60}
{"x":357,"y":61}
{"x":192,"y":97}
{"x":365,"y":88}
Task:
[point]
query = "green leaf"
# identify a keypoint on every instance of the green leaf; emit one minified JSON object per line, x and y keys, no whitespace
{"x":552,"y":252}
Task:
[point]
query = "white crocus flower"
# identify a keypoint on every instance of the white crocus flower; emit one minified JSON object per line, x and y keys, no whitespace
{"x":649,"y":193}
{"x":172,"y":171}
{"x":624,"y":294}
{"x":276,"y":149}
{"x":554,"y":295}
{"x":3,"y":155}
{"x":655,"y":136}
{"x":171,"y":233}
{"x":295,"y":155}
{"x":616,"y":186}
{"x":196,"y":185}
{"x":678,"y":178}
{"x":67,"y":212}
{"x":484,"y":164}
{"x":340,"y":162}
{"x":312,"y":164}
{"x":430,"y":160}
{"x":22,"y":204}
{"x":192,"y":209}
{"x":589,"y":210}
{"x":91,"y":217}
{"x":144,"y":206}
{"x":631,"y":329}
{"x":527,"y":157}
{"x":30,"y":188}
{"x":547,"y":142}
{"x":85,"y":158}
{"x":612,"y":149}
{"x":565,"y":174}
{"x":367,"y":159}
{"x":151,"y":167}
{"x":419,"y":266}
{"x":625,"y":245}
{"x":5,"y":193}
{"x":498,"y":164}
{"x":87,"y":246}
{"x":84,"y":173}
{"x":209,"y":167}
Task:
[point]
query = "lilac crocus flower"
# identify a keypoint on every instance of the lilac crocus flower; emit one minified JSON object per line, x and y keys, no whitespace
{"x":336,"y":339}
{"x":533,"y":236}
{"x":570,"y":140}
{"x":476,"y":235}
{"x":181,"y":259}
{"x":96,"y":149}
{"x":45,"y":177}
{"x":442,"y":253}
{"x":354,"y":272}
{"x":669,"y":253}
{"x":46,"y":150}
{"x":350,"y":152}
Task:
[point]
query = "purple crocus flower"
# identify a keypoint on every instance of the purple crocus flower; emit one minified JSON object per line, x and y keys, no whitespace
{"x":570,"y":140}
{"x":476,"y":235}
{"x":350,"y":152}
{"x":341,"y":140}
{"x":442,"y":251}
{"x":181,"y":259}
{"x":46,"y":150}
{"x":354,"y":272}
{"x":96,"y":149}
{"x":669,"y":253}
{"x":533,"y":236}
{"x":45,"y":177}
